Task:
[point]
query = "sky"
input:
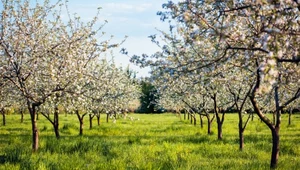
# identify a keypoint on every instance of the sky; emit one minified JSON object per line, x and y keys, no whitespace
{"x":136,"y":19}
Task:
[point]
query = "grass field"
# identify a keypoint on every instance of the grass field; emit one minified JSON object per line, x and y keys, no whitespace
{"x":155,"y":141}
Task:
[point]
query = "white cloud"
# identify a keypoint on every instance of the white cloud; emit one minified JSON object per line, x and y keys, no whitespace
{"x":143,"y":7}
{"x":118,"y":7}
{"x":135,"y":18}
{"x":126,"y":7}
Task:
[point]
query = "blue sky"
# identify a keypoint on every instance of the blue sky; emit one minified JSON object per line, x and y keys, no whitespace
{"x":135,"y":18}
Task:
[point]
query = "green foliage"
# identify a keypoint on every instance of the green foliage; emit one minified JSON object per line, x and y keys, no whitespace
{"x":160,"y":141}
{"x":148,"y":98}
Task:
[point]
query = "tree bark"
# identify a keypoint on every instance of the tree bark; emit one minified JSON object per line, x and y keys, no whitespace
{"x":219,"y":119}
{"x":241,"y":138}
{"x":80,"y":118}
{"x":274,"y":129}
{"x":91,"y":116}
{"x":220,"y":130}
{"x":98,"y":119}
{"x":107,"y":116}
{"x":56,"y":123}
{"x":201,"y":121}
{"x":208,"y":125}
{"x":290,"y":116}
{"x":275,"y":148}
{"x":35,"y":134}
{"x":81,"y":127}
{"x":3,"y":117}
{"x":22,"y":116}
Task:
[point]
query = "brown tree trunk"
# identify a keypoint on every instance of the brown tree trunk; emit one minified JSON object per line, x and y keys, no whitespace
{"x":80,"y":118}
{"x":219,"y":119}
{"x":275,"y":130}
{"x":91,"y":116}
{"x":56,"y":123}
{"x":241,"y":138}
{"x":107,"y":116}
{"x":208,"y":125}
{"x":220,"y":130}
{"x":22,"y":116}
{"x":275,"y":148}
{"x":194,"y":120}
{"x":290,"y":116}
{"x":81,"y":127}
{"x":201,"y":121}
{"x":98,"y":119}
{"x":35,"y":134}
{"x":241,"y":130}
{"x":3,"y":117}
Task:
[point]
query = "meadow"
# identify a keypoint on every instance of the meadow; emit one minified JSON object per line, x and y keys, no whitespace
{"x":151,"y":141}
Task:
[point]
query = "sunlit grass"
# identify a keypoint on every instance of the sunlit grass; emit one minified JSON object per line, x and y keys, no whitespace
{"x":154,"y":141}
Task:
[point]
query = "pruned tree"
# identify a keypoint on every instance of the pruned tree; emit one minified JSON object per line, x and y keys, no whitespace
{"x":260,"y":34}
{"x":44,"y":54}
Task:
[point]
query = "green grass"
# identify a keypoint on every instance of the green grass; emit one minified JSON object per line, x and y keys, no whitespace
{"x":155,"y":141}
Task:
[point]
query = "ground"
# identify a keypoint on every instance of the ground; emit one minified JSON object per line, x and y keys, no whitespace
{"x":149,"y":141}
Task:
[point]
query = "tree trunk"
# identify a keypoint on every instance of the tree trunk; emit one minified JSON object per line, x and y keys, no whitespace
{"x":241,"y":136}
{"x":80,"y":118}
{"x":107,"y":116}
{"x":22,"y":116}
{"x":220,"y":130}
{"x":3,"y":117}
{"x":35,"y":134}
{"x":290,"y":116}
{"x":195,"y":120}
{"x":275,"y":130}
{"x":98,"y":119}
{"x":220,"y":124}
{"x":81,"y":127}
{"x":201,"y":121}
{"x":275,"y":147}
{"x":56,"y":123}
{"x":91,"y":120}
{"x":219,"y":120}
{"x":241,"y":130}
{"x":208,"y":125}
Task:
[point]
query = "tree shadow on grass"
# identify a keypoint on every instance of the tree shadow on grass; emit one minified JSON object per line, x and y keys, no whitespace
{"x":2,"y":159}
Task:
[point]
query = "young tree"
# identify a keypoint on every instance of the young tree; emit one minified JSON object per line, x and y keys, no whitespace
{"x":43,"y":54}
{"x":260,"y":32}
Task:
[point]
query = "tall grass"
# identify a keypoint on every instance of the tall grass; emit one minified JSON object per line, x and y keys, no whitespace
{"x":158,"y":141}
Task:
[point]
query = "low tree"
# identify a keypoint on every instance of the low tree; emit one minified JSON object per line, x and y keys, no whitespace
{"x":212,"y":34}
{"x":149,"y":97}
{"x":44,"y":55}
